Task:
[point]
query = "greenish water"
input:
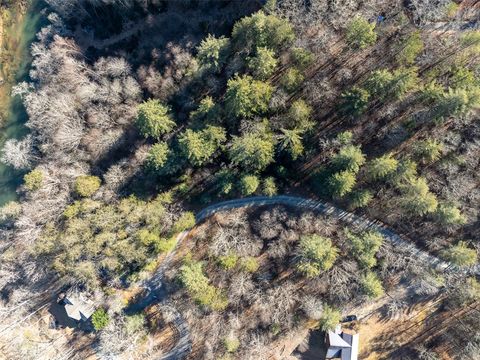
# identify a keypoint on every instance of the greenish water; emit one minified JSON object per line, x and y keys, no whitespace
{"x":13,"y":125}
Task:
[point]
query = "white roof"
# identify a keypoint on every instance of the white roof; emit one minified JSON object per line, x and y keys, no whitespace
{"x":343,"y":345}
{"x":336,"y":340}
{"x":78,"y":307}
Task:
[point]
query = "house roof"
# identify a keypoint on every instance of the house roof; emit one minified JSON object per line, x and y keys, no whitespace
{"x":78,"y":307}
{"x":343,"y":346}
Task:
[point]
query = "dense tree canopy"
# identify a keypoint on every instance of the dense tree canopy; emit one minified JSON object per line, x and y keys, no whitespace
{"x":199,"y":146}
{"x":315,"y":254}
{"x":246,"y":97}
{"x":261,"y":30}
{"x":154,"y":119}
{"x":213,"y":52}
{"x":252,"y":151}
{"x":360,"y":33}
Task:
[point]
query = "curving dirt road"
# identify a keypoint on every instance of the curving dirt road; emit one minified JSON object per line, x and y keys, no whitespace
{"x":158,"y":294}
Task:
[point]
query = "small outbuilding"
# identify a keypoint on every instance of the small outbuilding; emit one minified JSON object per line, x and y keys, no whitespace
{"x":72,"y":309}
{"x":342,"y":345}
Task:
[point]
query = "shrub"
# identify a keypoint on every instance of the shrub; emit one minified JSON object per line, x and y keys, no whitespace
{"x":228,"y":262}
{"x":315,"y":254}
{"x":199,"y":288}
{"x":383,"y":84}
{"x":206,"y":111}
{"x":449,"y":214}
{"x":349,"y":158}
{"x":360,"y":33}
{"x":418,"y":200}
{"x":33,"y":180}
{"x":231,"y":344}
{"x":364,"y":246}
{"x":406,"y":173}
{"x":460,"y":255}
{"x":410,"y":48}
{"x":360,"y":199}
{"x":162,"y":245}
{"x":260,"y":30}
{"x":10,"y":211}
{"x":249,"y":184}
{"x":87,"y":185}
{"x":249,"y":264}
{"x":291,"y":142}
{"x":371,"y":285}
{"x":100,"y":319}
{"x":292,"y":79}
{"x":330,"y":318}
{"x":456,"y":102}
{"x":157,"y":156}
{"x":213,"y":52}
{"x":184,"y":222}
{"x":263,"y":64}
{"x":428,"y":151}
{"x":354,"y":101}
{"x":269,"y":187}
{"x":154,"y":119}
{"x":382,"y":167}
{"x":252,"y":151}
{"x":134,"y":323}
{"x":342,"y":183}
{"x":302,"y":58}
{"x":299,"y":114}
{"x":199,"y":146}
{"x":246,"y":97}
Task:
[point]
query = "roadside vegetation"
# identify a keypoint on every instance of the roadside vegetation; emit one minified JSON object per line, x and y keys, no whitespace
{"x":141,"y":113}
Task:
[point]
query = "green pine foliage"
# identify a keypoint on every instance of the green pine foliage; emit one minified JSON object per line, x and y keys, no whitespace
{"x":246,"y":97}
{"x":364,"y":246}
{"x":360,"y":33}
{"x":460,"y":255}
{"x":33,"y":180}
{"x":212,"y":53}
{"x":199,"y":288}
{"x":200,"y":146}
{"x":360,"y":199}
{"x":382,"y":167}
{"x":269,"y":187}
{"x":253,"y":152}
{"x":354,"y":101}
{"x":331,"y":317}
{"x":154,"y":119}
{"x":96,"y":241}
{"x":263,"y":64}
{"x":100,"y":319}
{"x":371,"y":285}
{"x":299,"y":115}
{"x":449,"y":215}
{"x":302,"y":58}
{"x":410,"y":48}
{"x":417,"y":199}
{"x":292,"y":80}
{"x":86,"y":185}
{"x":157,"y":156}
{"x":350,"y":158}
{"x":290,"y":141}
{"x":315,"y":255}
{"x":428,"y":150}
{"x":342,"y":183}
{"x":261,"y":30}
{"x":249,"y":184}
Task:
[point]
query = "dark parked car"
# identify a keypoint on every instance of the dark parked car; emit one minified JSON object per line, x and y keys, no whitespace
{"x":349,"y":318}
